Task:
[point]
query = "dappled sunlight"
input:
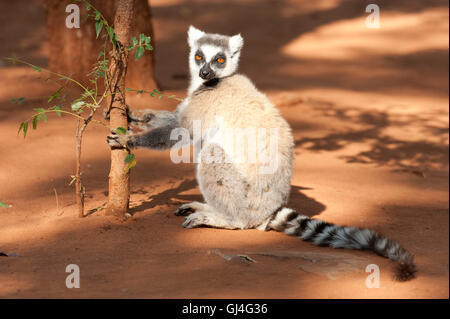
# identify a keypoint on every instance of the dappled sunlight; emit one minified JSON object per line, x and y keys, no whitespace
{"x":139,"y":262}
{"x":369,"y":113}
{"x":399,"y":34}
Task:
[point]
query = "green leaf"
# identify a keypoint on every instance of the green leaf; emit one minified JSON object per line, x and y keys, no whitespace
{"x":3,"y":205}
{"x":35,"y":121}
{"x":20,"y":127}
{"x":98,"y":27}
{"x":25,"y":129}
{"x":37,"y":68}
{"x":40,"y":110}
{"x":87,"y":94}
{"x":55,"y":95}
{"x":58,"y":109}
{"x":103,"y":65}
{"x":121,"y":131}
{"x":41,"y":115}
{"x":76,"y":106}
{"x":139,"y":53}
{"x":129,"y":158}
{"x":18,"y":101}
{"x":130,"y":165}
{"x":111,"y":33}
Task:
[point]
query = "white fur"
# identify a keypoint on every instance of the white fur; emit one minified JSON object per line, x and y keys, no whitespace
{"x":193,"y":35}
{"x":238,"y":192}
{"x":235,"y":44}
{"x":210,"y":51}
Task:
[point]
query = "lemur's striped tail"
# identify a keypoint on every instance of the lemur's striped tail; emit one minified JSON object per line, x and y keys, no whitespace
{"x":324,"y":234}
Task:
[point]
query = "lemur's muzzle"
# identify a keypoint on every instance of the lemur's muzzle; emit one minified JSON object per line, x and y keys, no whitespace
{"x":206,"y":73}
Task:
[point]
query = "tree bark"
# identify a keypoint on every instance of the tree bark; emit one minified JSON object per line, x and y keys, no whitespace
{"x":119,"y":177}
{"x":141,"y":73}
{"x":74,"y":51}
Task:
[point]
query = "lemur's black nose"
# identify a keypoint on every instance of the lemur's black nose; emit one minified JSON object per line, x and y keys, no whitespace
{"x":206,"y":73}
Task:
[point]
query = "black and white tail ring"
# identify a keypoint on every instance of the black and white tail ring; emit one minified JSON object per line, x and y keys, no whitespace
{"x":325,"y":234}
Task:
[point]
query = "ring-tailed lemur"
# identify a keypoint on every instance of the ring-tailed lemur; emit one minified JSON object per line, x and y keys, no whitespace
{"x":237,"y":195}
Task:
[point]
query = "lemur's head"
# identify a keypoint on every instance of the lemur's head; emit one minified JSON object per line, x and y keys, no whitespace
{"x":213,"y":56}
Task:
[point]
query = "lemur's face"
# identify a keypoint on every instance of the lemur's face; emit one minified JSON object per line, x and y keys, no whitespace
{"x":213,"y":55}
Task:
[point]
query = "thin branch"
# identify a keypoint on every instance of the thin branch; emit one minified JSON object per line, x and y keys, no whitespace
{"x":14,"y":60}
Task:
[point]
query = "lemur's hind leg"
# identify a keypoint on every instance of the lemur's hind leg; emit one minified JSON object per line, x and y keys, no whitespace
{"x":204,"y":215}
{"x":190,"y":207}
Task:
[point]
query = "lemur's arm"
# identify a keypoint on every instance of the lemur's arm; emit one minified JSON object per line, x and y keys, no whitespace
{"x":156,"y":126}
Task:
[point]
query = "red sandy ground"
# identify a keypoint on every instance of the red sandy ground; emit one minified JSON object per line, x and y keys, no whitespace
{"x":369,"y":110}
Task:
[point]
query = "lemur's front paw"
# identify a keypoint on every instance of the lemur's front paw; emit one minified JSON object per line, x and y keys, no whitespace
{"x":115,"y":140}
{"x":140,"y":117}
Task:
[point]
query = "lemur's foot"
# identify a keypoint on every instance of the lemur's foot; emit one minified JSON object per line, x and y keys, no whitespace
{"x":183,"y":211}
{"x":115,"y":140}
{"x":203,"y":215}
{"x":196,"y":220}
{"x":189,"y":207}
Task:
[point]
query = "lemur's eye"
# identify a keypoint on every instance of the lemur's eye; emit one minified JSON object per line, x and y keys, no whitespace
{"x":198,"y":57}
{"x":220,"y":60}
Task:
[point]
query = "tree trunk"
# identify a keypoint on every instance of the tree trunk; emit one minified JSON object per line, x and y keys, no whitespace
{"x":119,"y":177}
{"x":74,"y":51}
{"x":140,"y":73}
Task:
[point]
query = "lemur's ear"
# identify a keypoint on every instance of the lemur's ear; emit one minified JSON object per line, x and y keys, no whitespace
{"x":236,"y":42}
{"x":193,"y":35}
